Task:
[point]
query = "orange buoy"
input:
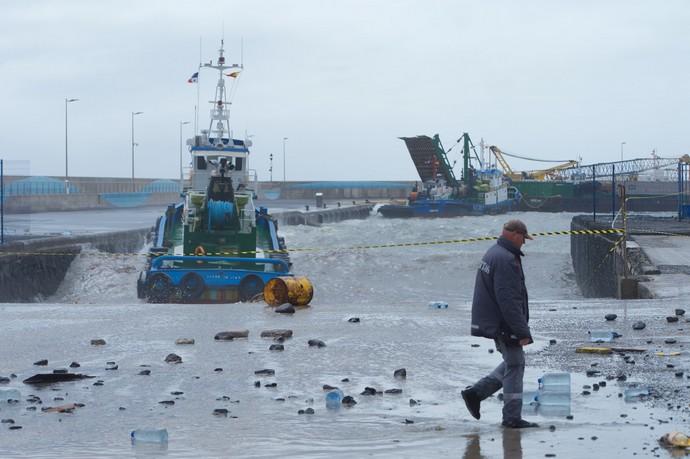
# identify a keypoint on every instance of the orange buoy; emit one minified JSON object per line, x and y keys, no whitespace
{"x":297,"y":291}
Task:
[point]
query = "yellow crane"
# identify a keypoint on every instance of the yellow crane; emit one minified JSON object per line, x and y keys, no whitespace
{"x":541,"y":174}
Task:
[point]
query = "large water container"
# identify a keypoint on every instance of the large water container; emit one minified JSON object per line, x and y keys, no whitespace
{"x":555,"y":382}
{"x":7,"y":393}
{"x":601,"y":336}
{"x":149,"y":436}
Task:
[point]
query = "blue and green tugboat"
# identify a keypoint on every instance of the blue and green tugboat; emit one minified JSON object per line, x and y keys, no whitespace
{"x":479,"y":192}
{"x":215,"y":246}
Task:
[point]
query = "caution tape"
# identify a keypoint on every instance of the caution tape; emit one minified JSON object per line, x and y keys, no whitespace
{"x":351,"y":248}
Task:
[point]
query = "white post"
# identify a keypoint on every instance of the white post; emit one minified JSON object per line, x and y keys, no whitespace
{"x":182,"y":123}
{"x":284,"y":175}
{"x":67,"y":101}
{"x":133,"y":145}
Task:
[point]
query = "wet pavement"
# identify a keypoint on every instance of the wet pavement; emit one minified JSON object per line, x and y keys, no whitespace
{"x":388,"y":290}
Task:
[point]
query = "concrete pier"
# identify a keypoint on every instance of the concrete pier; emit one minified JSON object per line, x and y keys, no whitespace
{"x":656,"y":263}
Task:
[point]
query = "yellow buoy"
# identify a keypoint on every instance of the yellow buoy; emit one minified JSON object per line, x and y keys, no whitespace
{"x":297,"y":291}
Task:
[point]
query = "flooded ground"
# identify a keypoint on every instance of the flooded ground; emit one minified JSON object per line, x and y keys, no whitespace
{"x":388,"y":290}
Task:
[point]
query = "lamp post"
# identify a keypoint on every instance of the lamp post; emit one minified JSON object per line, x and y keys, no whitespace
{"x":182,"y":123}
{"x":622,"y":143}
{"x":270,"y":169}
{"x":133,"y":145}
{"x":67,"y":101}
{"x":284,"y":139}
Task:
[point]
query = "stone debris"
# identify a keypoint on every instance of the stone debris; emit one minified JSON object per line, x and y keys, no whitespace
{"x":230,"y":335}
{"x":285,"y":309}
{"x":98,"y":342}
{"x":400,"y":373}
{"x":639,"y":325}
{"x":173,"y":358}
{"x":50,"y":378}
{"x":316,"y":343}
{"x":184,"y":341}
{"x":353,"y":320}
{"x":277,"y":333}
{"x":276,"y":347}
{"x":265,"y":372}
{"x":610,"y":317}
{"x":41,"y":363}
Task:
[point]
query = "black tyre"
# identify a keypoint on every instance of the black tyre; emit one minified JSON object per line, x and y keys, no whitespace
{"x":250,"y":287}
{"x":192,"y":286}
{"x":159,"y":288}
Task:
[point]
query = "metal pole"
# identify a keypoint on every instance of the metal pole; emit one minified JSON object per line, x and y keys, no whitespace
{"x":132,"y":152}
{"x":284,"y":139}
{"x":680,"y":190}
{"x":182,"y":123}
{"x":133,"y":145}
{"x":67,"y":101}
{"x":270,"y":169}
{"x":622,"y":143}
{"x":66,"y":161}
{"x":613,"y":192}
{"x":2,"y":202}
{"x":625,"y":232}
{"x":594,"y":194}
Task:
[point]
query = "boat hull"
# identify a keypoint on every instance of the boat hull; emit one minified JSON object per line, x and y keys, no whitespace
{"x":443,"y":209}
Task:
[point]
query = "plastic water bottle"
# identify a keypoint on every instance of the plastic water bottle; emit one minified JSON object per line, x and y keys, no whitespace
{"x":555,"y":382}
{"x":7,"y":393}
{"x":633,"y":394}
{"x":334,"y":398}
{"x":438,"y":305}
{"x":601,"y":336}
{"x":529,"y":397}
{"x":149,"y":436}
{"x":553,"y":398}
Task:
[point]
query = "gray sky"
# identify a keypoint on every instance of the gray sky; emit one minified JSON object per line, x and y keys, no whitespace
{"x":343,"y":79}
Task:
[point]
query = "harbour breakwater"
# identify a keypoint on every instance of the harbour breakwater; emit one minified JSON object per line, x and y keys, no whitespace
{"x":33,"y":269}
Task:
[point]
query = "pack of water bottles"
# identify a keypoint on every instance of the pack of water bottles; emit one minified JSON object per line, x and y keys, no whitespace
{"x":553,"y":396}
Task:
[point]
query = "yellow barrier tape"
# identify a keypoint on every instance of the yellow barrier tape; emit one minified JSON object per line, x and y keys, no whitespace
{"x":360,"y":247}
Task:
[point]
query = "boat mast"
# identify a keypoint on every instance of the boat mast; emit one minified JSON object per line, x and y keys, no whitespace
{"x":219,"y":123}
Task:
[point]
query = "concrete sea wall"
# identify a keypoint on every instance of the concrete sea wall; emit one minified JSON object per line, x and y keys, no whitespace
{"x":33,"y":269}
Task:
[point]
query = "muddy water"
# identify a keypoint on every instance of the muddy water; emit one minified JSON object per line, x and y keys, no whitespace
{"x":388,"y":289}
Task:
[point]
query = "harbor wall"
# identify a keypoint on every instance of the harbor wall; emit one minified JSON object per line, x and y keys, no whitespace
{"x":595,"y":261}
{"x":31,"y":270}
{"x":28,"y":194}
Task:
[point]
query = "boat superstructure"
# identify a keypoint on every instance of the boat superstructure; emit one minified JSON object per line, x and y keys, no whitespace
{"x":480,"y":190}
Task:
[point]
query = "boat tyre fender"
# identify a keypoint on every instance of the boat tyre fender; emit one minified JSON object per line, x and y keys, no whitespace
{"x":199,"y":251}
{"x":192,"y":286}
{"x":159,"y":288}
{"x":250,"y":287}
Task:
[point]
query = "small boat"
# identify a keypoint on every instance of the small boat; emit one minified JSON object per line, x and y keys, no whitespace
{"x":215,"y":246}
{"x":479,"y":191}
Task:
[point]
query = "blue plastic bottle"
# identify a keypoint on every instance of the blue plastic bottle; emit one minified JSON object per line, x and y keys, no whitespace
{"x":333,"y":399}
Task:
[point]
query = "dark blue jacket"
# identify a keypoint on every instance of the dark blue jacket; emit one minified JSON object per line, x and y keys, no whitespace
{"x":500,"y":307}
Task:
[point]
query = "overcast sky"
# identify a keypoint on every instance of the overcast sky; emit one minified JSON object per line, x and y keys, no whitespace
{"x":343,"y":80}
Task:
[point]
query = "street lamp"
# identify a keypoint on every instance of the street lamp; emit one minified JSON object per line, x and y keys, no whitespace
{"x":133,"y":145}
{"x":622,"y":143}
{"x":284,"y":139}
{"x":182,"y":123}
{"x":67,"y":101}
{"x":270,"y":169}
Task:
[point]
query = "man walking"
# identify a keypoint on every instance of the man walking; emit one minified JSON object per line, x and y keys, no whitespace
{"x":500,"y":312}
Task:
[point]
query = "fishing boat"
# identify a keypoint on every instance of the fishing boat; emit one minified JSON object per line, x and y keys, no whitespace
{"x":215,"y":245}
{"x":480,"y":190}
